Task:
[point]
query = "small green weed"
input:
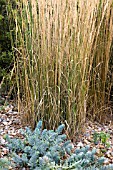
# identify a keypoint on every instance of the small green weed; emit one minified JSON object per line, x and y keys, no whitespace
{"x":101,"y":137}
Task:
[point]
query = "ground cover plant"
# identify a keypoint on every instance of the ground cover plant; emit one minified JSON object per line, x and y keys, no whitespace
{"x":48,"y":149}
{"x":4,"y":163}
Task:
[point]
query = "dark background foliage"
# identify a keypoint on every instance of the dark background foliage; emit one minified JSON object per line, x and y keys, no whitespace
{"x":6,"y":57}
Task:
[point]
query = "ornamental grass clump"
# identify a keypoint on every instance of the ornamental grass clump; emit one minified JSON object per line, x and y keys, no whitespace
{"x":61,"y":57}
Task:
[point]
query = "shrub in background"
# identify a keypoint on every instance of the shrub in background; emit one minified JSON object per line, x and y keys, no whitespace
{"x":5,"y":41}
{"x":7,"y":34}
